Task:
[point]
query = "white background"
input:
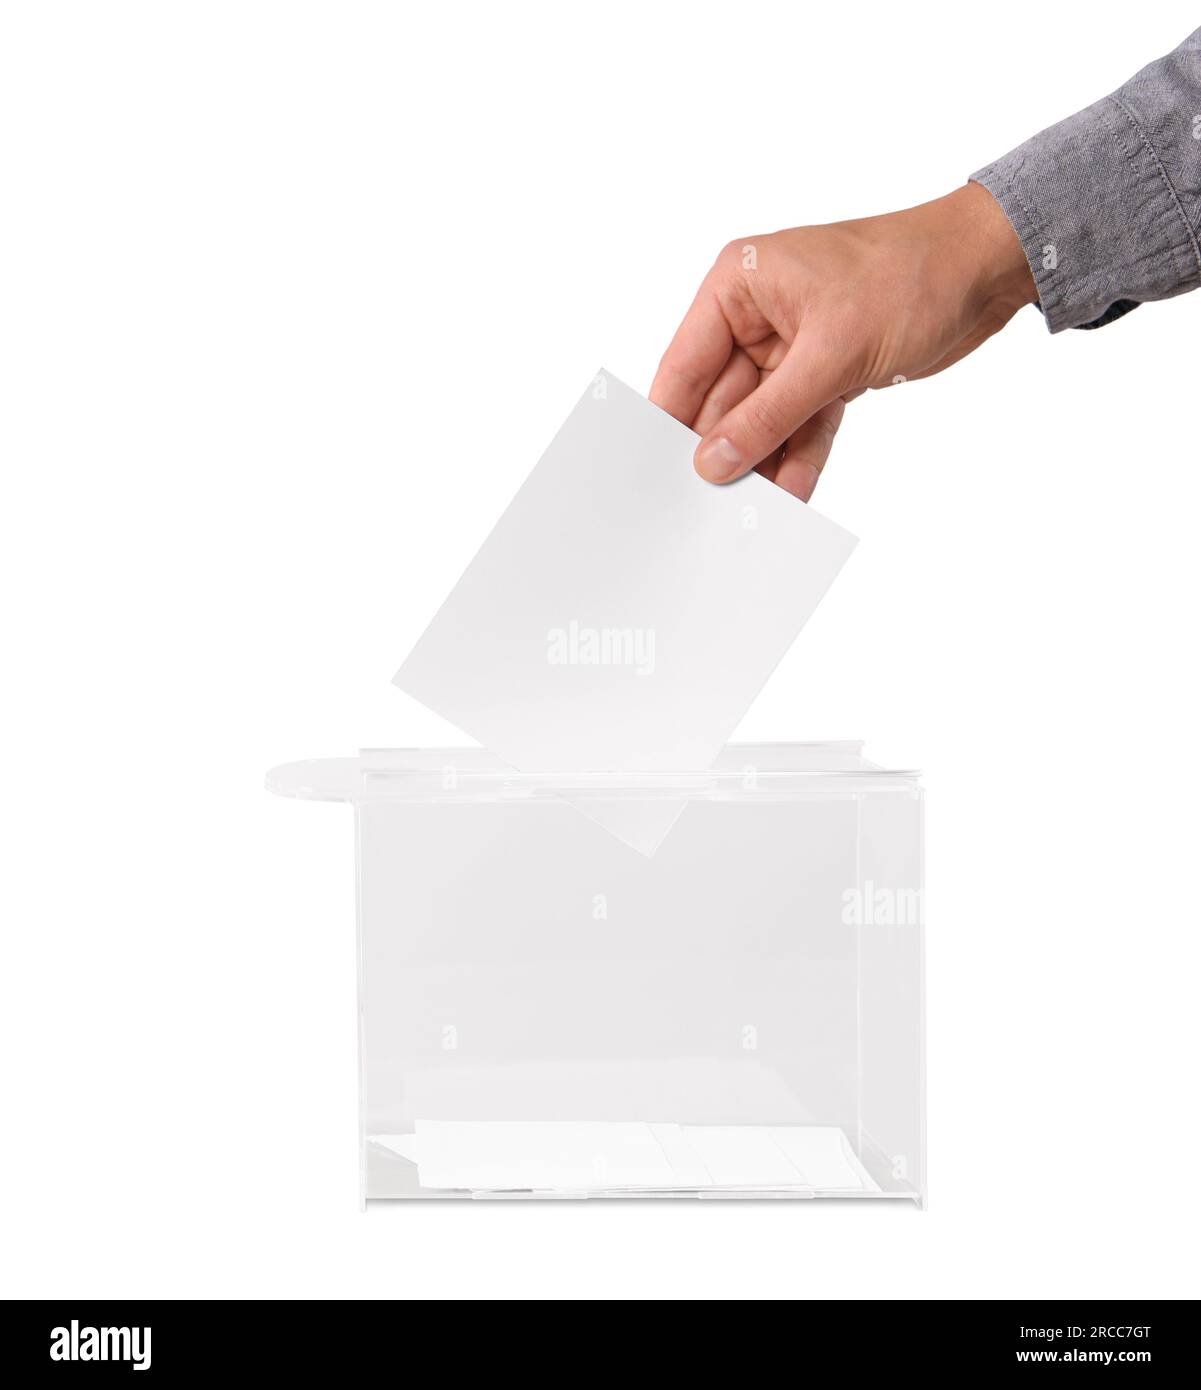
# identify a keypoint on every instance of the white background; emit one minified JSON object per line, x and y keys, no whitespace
{"x":292,"y":297}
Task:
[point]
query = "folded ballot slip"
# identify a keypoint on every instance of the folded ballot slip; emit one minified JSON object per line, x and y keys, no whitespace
{"x":623,"y":613}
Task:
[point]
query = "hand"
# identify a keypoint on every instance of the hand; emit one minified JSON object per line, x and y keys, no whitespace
{"x":787,"y":328}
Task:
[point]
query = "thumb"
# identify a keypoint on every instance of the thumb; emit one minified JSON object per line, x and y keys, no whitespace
{"x":756,"y":427}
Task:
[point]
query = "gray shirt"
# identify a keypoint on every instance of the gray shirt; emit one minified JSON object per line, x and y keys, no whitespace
{"x":1108,"y":203}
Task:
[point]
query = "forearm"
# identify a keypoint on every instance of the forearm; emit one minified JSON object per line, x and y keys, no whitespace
{"x":1107,"y":203}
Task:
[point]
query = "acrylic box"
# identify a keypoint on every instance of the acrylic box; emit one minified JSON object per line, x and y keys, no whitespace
{"x":546,"y":1012}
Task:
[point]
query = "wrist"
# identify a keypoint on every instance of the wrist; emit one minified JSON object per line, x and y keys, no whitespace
{"x":995,"y":262}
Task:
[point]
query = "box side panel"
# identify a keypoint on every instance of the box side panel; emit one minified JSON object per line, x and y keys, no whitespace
{"x":520,"y":964}
{"x":887,"y":912}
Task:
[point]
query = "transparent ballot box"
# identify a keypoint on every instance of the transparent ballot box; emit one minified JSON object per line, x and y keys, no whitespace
{"x":546,"y":1012}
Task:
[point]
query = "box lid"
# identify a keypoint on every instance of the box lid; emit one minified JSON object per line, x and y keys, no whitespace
{"x":758,"y":771}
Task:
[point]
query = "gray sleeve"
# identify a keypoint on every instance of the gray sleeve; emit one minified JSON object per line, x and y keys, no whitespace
{"x":1108,"y":203}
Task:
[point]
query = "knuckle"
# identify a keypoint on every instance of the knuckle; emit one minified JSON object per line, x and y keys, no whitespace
{"x":766,"y":418}
{"x":825,"y":425}
{"x":681,"y":372}
{"x":730,"y":257}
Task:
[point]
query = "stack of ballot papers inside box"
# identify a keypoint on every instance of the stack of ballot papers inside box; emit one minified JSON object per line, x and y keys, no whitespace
{"x":601,"y":1156}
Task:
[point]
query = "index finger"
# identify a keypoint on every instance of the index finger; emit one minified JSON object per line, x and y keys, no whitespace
{"x":694,"y":358}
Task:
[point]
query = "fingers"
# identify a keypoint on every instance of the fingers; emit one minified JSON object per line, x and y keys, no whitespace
{"x":753,"y":429}
{"x":737,"y":379}
{"x":694,"y":358}
{"x":806,"y":452}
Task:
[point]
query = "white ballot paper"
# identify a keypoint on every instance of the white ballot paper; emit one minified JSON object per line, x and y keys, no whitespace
{"x":623,"y":613}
